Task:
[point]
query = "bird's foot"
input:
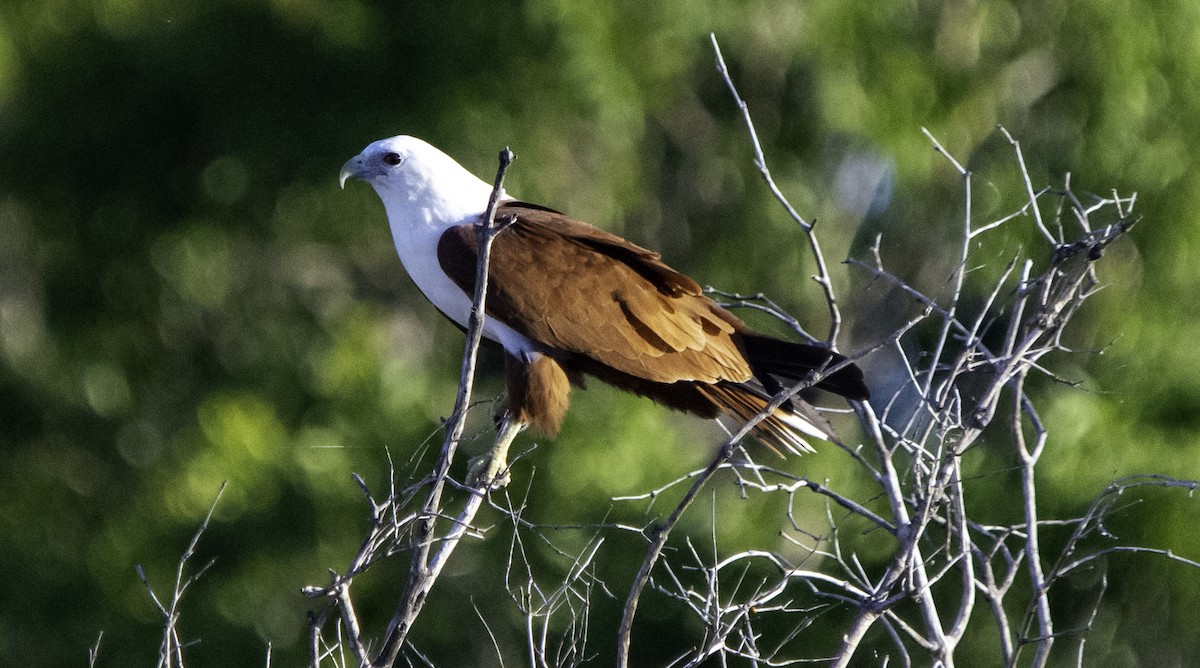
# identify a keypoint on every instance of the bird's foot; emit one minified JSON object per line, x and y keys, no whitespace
{"x":488,"y":472}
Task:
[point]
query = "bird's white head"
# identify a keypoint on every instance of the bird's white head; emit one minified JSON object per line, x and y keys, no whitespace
{"x":414,"y":178}
{"x":426,"y":192}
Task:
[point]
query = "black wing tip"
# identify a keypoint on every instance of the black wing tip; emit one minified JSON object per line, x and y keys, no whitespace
{"x":851,"y":385}
{"x":795,"y":360}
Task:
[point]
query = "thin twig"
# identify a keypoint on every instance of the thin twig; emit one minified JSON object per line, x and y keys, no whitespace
{"x":171,"y":650}
{"x":94,"y":650}
{"x":760,"y":161}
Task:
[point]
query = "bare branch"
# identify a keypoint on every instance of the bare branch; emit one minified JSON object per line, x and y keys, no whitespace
{"x":423,"y":572}
{"x":170,"y":654}
{"x":94,"y":650}
{"x":760,"y":161}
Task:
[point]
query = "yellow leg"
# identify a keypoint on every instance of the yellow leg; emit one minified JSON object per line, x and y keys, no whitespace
{"x":490,"y":471}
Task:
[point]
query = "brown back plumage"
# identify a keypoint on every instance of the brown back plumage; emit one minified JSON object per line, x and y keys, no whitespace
{"x":609,"y":308}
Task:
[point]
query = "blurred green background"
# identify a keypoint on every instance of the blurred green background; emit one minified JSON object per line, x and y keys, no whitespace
{"x":186,"y":297}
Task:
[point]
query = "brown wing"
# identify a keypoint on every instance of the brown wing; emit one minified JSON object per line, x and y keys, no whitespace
{"x":572,"y":287}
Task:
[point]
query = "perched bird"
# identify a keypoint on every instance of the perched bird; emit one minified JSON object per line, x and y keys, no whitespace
{"x":567,"y":300}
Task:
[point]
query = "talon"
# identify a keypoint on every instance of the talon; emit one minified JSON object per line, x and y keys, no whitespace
{"x":486,"y":471}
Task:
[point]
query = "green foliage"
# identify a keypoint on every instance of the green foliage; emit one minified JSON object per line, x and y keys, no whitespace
{"x":186,"y":297}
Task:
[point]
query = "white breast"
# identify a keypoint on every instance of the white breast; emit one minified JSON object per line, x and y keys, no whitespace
{"x":416,"y":231}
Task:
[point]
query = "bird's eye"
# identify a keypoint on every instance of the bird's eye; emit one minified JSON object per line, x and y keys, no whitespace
{"x":392,"y":159}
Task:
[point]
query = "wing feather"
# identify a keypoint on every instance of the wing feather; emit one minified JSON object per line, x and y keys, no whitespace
{"x":571,"y":287}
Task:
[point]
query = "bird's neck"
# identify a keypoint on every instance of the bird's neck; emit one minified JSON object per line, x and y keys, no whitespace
{"x":436,"y":198}
{"x":419,"y":210}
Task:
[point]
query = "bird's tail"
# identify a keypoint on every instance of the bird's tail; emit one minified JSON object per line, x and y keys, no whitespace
{"x":783,"y":430}
{"x":789,"y":425}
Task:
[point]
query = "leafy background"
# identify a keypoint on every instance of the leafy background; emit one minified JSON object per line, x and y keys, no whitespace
{"x":186,"y":297}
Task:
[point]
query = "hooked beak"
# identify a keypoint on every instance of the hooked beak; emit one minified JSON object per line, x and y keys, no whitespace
{"x":353,"y":169}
